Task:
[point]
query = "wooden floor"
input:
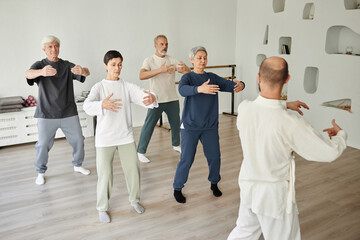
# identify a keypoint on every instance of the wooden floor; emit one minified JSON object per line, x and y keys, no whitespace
{"x":328,"y":195}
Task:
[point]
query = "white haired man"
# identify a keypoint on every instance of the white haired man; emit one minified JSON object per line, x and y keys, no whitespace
{"x":160,"y":69}
{"x":56,"y":105}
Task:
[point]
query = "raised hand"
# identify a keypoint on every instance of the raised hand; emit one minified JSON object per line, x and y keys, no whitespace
{"x":239,"y":86}
{"x":77,"y":70}
{"x":296,"y":105}
{"x":171,"y":68}
{"x":149,"y":99}
{"x":111,"y":105}
{"x":48,"y":71}
{"x":208,"y":89}
{"x":180,"y":67}
{"x":334,"y":130}
{"x":167,"y":68}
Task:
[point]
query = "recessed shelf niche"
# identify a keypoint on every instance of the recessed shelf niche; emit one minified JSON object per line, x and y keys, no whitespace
{"x":311,"y":79}
{"x":259,"y":59}
{"x":285,"y":45}
{"x":343,"y":104}
{"x":342,"y":40}
{"x":278,"y":5}
{"x":309,"y":11}
{"x":266,"y":35}
{"x":352,"y":4}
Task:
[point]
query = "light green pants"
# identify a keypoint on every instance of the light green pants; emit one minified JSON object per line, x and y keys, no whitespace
{"x":104,"y":166}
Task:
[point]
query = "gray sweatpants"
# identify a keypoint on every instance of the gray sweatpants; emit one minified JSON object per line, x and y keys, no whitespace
{"x":47,"y":129}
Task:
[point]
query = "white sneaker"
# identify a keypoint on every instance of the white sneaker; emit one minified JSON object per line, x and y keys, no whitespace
{"x":40,"y":180}
{"x":82,"y":170}
{"x":138,"y":208}
{"x":142,"y":158}
{"x":177,"y":148}
{"x":104,"y":217}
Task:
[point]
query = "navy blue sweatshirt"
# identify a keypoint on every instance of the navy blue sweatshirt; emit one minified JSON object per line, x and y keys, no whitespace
{"x":201,"y":111}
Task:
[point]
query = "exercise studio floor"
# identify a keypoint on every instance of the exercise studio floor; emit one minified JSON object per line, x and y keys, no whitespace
{"x":328,"y":195}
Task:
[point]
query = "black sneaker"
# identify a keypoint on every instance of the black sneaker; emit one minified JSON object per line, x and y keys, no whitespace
{"x":179,"y":197}
{"x":216,"y":191}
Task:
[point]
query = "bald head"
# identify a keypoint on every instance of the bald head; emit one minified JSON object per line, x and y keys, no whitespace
{"x":274,"y":71}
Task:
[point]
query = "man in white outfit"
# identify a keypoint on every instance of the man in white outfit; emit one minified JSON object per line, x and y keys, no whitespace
{"x":269,"y":135}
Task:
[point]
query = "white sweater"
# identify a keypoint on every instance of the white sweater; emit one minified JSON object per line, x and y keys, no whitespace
{"x":114,"y":128}
{"x":269,"y":135}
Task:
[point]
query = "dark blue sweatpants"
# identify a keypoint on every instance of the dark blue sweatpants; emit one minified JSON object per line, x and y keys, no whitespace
{"x":211,"y":147}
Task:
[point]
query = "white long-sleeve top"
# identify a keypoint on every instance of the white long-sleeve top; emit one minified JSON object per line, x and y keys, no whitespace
{"x":114,"y":128}
{"x":269,"y":135}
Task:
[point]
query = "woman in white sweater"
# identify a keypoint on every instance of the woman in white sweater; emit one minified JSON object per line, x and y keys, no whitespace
{"x":110,"y":100}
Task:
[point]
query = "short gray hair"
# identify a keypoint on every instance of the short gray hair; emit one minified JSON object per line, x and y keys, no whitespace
{"x":194,"y":50}
{"x":49,"y":39}
{"x":159,"y":36}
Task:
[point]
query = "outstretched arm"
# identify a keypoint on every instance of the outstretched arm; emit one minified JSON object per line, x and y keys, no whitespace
{"x":240,"y":85}
{"x":296,"y":105}
{"x":229,"y":86}
{"x":141,"y":97}
{"x":149,"y":98}
{"x":46,"y":71}
{"x":334,"y":130}
{"x":94,"y":105}
{"x":146,"y":74}
{"x":78,"y":70}
{"x":311,"y":145}
{"x":208,"y":89}
{"x":182,"y":68}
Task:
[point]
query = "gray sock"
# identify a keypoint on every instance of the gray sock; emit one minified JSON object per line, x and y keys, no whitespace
{"x":104,"y":217}
{"x":138,"y":208}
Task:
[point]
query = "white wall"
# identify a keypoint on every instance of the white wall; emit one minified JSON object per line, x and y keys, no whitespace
{"x":87,"y":29}
{"x":339,"y":75}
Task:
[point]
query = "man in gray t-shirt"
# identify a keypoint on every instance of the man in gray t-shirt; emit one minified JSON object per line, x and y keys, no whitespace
{"x":56,"y":94}
{"x":56,"y":105}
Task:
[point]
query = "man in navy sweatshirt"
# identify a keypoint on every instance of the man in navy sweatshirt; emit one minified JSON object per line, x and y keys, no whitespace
{"x":200,"y":120}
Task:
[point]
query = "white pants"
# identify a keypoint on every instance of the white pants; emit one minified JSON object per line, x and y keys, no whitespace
{"x":250,"y":225}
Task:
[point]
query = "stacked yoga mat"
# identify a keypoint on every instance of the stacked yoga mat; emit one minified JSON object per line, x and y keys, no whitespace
{"x":11,"y":104}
